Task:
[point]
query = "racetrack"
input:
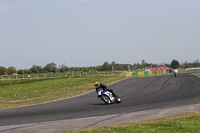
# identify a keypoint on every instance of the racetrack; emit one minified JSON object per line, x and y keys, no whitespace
{"x":137,"y":94}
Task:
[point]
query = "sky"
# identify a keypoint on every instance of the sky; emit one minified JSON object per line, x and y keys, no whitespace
{"x":82,"y":33}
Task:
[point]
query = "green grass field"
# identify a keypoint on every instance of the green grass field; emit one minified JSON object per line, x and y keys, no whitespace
{"x":189,"y":71}
{"x":15,"y":93}
{"x":189,"y":123}
{"x":198,"y":74}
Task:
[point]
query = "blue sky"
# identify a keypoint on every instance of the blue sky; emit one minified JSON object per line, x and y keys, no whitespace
{"x":90,"y":32}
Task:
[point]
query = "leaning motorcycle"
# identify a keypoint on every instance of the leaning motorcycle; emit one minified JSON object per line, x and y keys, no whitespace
{"x":175,"y":72}
{"x":108,"y":97}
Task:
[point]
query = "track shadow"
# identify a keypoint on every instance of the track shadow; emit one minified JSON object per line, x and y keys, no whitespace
{"x":100,"y":104}
{"x":105,"y":104}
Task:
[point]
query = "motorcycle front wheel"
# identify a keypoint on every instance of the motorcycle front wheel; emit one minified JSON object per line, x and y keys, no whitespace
{"x":106,"y":99}
{"x":118,"y":100}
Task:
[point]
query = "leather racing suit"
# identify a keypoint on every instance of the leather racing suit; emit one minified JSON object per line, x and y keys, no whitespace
{"x":105,"y":87}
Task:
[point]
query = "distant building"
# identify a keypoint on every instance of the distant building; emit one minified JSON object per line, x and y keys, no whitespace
{"x":147,"y":69}
{"x":182,"y":66}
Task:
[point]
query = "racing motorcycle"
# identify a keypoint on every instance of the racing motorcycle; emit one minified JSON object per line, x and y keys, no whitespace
{"x":175,"y":72}
{"x":108,"y":97}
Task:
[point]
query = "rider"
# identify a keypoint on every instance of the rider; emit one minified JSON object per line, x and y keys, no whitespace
{"x":104,"y":87}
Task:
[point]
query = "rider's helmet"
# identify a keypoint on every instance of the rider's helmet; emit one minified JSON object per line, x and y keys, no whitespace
{"x":96,"y":84}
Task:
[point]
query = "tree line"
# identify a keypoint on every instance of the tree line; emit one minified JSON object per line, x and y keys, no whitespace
{"x":113,"y":66}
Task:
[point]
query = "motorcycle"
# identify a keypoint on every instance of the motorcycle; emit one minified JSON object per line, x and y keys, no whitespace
{"x":175,"y":72}
{"x":108,"y":97}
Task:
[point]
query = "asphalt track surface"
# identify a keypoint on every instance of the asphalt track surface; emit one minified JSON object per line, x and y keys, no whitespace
{"x":137,"y":94}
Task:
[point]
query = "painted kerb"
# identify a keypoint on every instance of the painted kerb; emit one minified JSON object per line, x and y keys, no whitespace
{"x":145,"y":73}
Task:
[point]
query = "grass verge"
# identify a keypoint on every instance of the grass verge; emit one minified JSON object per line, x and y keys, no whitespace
{"x":189,"y":123}
{"x":189,"y":71}
{"x":15,"y":93}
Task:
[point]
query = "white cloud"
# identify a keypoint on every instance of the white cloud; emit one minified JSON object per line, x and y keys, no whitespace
{"x":6,"y":5}
{"x":83,"y":1}
{"x":5,"y":8}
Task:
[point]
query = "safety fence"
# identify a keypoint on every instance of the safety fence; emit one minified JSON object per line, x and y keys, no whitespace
{"x":59,"y":75}
{"x":81,"y":74}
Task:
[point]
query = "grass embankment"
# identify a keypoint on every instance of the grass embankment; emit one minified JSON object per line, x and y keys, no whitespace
{"x":189,"y":71}
{"x":15,"y":93}
{"x":198,"y":74}
{"x":189,"y":123}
